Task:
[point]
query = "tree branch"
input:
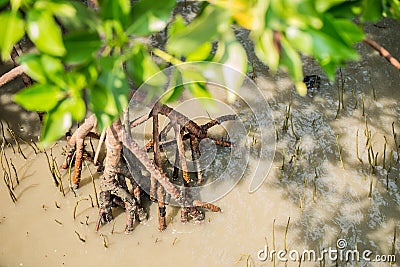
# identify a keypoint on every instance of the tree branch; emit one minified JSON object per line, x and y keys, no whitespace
{"x":11,"y":75}
{"x":383,"y":52}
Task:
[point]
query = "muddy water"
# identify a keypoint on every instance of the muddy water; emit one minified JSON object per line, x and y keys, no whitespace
{"x":324,"y":200}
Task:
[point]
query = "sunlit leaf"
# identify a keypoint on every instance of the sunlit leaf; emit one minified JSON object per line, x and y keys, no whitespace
{"x":177,"y":25}
{"x":39,"y":97}
{"x":324,"y":5}
{"x":201,"y":53}
{"x":301,"y":40}
{"x":175,"y":87}
{"x":198,"y":90}
{"x":56,"y":123}
{"x":109,"y":96}
{"x":243,"y":11}
{"x":58,"y":8}
{"x":266,"y":50}
{"x":392,"y":9}
{"x":12,"y":29}
{"x":77,"y":107}
{"x":203,"y":29}
{"x":292,"y":61}
{"x":232,"y":54}
{"x":53,"y":69}
{"x":102,"y":104}
{"x":85,"y":19}
{"x":301,"y":88}
{"x":141,"y":68}
{"x":33,"y":67}
{"x":45,"y":33}
{"x":150,"y":16}
{"x":44,"y":68}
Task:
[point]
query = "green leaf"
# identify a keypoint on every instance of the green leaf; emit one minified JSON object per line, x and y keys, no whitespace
{"x":115,"y":9}
{"x":77,"y":107}
{"x":39,"y":97}
{"x":198,"y":90}
{"x":90,"y":73}
{"x":328,"y":48}
{"x":201,"y":53}
{"x":203,"y":29}
{"x":141,"y":68}
{"x":3,"y":2}
{"x":177,"y":25}
{"x":232,"y":54}
{"x":323,"y":5}
{"x":53,"y":69}
{"x":175,"y":88}
{"x":102,"y":104}
{"x":349,"y":31}
{"x":150,"y":16}
{"x":291,"y":59}
{"x":300,"y":39}
{"x":348,"y":9}
{"x":81,"y":46}
{"x":266,"y":50}
{"x":84,"y":19}
{"x":58,"y":8}
{"x":45,"y":33}
{"x":372,"y":10}
{"x":391,"y":8}
{"x":33,"y":67}
{"x":12,"y":29}
{"x":109,"y":96}
{"x":56,"y":123}
{"x":43,"y":68}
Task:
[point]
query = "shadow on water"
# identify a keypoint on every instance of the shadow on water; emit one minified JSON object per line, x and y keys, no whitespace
{"x":334,"y":202}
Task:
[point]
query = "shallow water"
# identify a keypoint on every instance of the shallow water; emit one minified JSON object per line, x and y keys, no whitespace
{"x":325,"y":202}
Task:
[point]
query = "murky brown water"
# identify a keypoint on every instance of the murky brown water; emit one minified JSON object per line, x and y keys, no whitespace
{"x":322,"y":209}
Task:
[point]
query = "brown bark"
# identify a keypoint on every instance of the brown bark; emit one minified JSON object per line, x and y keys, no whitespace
{"x":11,"y":75}
{"x":383,"y":52}
{"x":162,"y":224}
{"x":194,"y":147}
{"x":113,"y":186}
{"x":209,"y":206}
{"x":181,"y":153}
{"x":76,"y":144}
{"x":83,"y":130}
{"x":110,"y":179}
{"x":76,"y":177}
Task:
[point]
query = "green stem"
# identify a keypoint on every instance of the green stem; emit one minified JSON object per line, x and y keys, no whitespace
{"x":167,"y":57}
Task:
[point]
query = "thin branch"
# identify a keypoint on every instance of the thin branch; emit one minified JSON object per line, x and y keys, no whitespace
{"x":383,"y":52}
{"x":11,"y":75}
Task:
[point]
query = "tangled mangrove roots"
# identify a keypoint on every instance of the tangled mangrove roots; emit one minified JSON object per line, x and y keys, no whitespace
{"x":114,"y":190}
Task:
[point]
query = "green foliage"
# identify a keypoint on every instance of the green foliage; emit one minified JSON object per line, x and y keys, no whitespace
{"x":44,"y":32}
{"x":150,"y":16}
{"x":205,"y":29}
{"x":141,"y":67}
{"x":80,"y":51}
{"x":13,"y":30}
{"x":81,"y":46}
